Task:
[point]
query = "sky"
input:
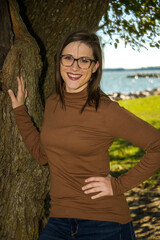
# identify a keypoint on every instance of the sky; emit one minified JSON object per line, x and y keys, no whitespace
{"x":128,"y":58}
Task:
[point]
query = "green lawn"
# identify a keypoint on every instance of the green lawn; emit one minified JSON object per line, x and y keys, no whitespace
{"x":123,"y":154}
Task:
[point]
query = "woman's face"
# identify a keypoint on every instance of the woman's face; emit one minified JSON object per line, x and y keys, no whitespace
{"x":75,"y":78}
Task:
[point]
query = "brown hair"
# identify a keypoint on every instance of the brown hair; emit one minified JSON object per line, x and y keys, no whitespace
{"x":92,"y":41}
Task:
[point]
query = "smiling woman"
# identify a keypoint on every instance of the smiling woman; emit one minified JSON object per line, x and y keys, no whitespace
{"x":80,"y":45}
{"x":77,"y":66}
{"x":80,"y":125}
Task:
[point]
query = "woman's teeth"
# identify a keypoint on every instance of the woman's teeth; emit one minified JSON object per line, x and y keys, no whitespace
{"x":74,"y":76}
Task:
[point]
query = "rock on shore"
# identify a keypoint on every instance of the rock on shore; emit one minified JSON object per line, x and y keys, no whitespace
{"x":144,"y":75}
{"x":122,"y":96}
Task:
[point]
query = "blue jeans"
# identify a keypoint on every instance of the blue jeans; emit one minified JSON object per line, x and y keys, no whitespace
{"x":81,"y":229}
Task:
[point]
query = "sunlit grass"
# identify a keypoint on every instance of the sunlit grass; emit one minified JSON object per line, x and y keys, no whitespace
{"x":146,"y":108}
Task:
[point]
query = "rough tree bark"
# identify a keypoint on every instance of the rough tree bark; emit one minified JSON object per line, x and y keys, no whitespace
{"x":38,"y":28}
{"x":6,"y":36}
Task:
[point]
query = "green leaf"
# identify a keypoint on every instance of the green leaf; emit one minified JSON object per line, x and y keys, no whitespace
{"x":115,"y":45}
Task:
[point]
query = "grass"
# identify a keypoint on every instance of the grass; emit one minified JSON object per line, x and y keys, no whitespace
{"x":123,"y":154}
{"x":146,"y":108}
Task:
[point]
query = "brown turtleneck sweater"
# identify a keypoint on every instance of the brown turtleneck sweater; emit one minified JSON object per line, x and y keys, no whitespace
{"x":76,"y":147}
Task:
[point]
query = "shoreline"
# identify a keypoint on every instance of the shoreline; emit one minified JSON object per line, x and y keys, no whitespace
{"x":116,"y":96}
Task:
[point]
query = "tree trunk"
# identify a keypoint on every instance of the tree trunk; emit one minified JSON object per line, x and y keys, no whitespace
{"x":24,"y":184}
{"x":50,"y":21}
{"x":6,"y":36}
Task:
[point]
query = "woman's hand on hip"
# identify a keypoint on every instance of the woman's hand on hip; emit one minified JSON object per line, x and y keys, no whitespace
{"x":21,"y":94}
{"x":102,"y":185}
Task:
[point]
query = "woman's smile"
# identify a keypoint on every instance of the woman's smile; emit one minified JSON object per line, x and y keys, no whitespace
{"x":74,"y":76}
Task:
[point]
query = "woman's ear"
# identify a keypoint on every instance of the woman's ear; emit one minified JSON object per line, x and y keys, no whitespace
{"x":96,"y":66}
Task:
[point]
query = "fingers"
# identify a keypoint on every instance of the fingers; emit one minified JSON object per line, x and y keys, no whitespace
{"x":21,"y":94}
{"x":21,"y":81}
{"x":91,"y":179}
{"x":94,"y":187}
{"x":12,"y":96}
{"x":21,"y":85}
{"x":98,"y":184}
{"x":101,"y":194}
{"x":93,"y":190}
{"x":25,"y":94}
{"x":91,"y":185}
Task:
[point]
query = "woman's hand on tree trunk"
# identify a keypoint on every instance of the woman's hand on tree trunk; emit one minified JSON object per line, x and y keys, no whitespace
{"x":100,"y":185}
{"x":21,"y":94}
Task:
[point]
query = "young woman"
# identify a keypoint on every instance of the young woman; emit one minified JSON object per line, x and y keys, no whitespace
{"x":80,"y":124}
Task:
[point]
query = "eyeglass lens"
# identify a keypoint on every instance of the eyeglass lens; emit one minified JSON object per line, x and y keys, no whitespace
{"x":83,"y":62}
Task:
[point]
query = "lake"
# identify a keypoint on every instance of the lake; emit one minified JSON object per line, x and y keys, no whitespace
{"x":117,"y":81}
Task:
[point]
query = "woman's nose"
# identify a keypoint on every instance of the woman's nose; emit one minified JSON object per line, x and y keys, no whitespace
{"x":75,"y":65}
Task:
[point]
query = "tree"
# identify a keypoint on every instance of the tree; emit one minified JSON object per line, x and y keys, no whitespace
{"x":33,"y":31}
{"x":30,"y":33}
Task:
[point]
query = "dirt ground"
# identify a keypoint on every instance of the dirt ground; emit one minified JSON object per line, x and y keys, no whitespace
{"x":144,"y":203}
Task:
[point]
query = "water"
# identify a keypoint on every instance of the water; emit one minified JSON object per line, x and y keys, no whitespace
{"x":117,"y":81}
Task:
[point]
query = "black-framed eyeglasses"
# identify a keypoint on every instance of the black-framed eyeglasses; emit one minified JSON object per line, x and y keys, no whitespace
{"x":83,"y":62}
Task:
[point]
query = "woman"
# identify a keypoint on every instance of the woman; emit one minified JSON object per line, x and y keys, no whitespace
{"x":80,"y":124}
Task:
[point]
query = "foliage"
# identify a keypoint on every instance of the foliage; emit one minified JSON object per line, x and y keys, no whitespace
{"x":137,"y":22}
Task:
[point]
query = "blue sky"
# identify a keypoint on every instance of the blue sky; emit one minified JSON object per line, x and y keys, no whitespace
{"x":127,"y":58}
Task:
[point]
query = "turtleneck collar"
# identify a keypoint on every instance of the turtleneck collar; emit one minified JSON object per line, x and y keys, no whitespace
{"x":76,"y":95}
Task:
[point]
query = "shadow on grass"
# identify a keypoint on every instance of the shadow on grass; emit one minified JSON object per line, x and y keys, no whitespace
{"x":120,"y":143}
{"x":125,"y":155}
{"x":118,"y":173}
{"x":144,"y":204}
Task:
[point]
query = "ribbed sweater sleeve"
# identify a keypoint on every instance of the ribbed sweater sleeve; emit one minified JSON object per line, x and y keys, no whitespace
{"x":123,"y":124}
{"x":30,"y":135}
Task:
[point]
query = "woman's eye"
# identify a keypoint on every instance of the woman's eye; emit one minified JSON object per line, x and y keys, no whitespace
{"x":84,"y":60}
{"x":68,"y":57}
